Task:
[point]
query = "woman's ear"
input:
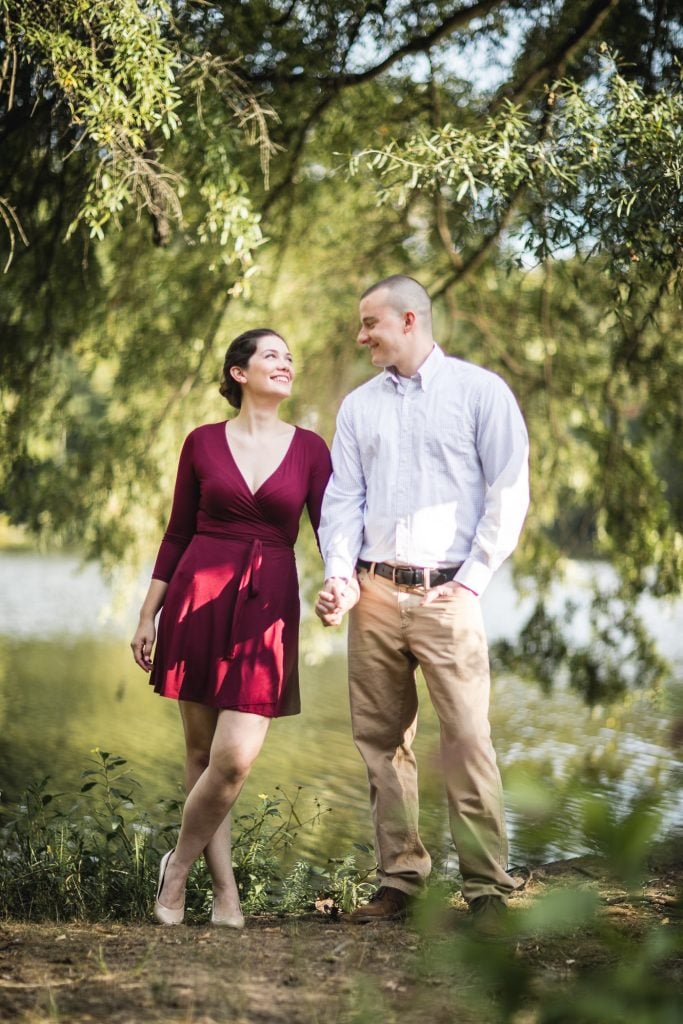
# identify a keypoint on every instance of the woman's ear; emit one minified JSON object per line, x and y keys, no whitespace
{"x":237,"y":373}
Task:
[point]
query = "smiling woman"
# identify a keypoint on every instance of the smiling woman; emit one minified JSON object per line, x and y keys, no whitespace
{"x":260,"y":352}
{"x":269,"y":372}
{"x":227,"y":645}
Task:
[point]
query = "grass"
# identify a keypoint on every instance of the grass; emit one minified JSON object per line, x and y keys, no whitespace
{"x":94,"y":855}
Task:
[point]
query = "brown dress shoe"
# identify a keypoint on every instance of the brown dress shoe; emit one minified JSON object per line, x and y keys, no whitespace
{"x":387,"y":904}
{"x":489,"y":917}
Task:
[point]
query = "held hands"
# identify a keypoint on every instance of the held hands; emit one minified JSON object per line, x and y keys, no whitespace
{"x":335,"y":599}
{"x":339,"y":595}
{"x":142,"y":644}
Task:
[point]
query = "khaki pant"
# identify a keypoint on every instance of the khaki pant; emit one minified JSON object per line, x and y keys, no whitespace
{"x":390,"y":634}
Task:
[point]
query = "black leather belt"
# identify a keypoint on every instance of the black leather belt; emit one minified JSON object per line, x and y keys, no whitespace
{"x":411,"y":576}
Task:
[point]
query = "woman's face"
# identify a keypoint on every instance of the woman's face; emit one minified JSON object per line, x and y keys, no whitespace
{"x":270,"y":370}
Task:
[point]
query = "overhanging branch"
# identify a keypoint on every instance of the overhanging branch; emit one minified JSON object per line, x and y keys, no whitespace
{"x":418,"y":44}
{"x":556,"y":63}
{"x":475,"y":259}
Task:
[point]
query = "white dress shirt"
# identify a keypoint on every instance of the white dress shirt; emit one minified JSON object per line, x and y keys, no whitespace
{"x":428,"y":471}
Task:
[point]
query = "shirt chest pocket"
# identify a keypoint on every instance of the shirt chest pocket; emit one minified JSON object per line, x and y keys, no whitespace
{"x":448,"y":436}
{"x":375,"y":450}
{"x":379,"y":439}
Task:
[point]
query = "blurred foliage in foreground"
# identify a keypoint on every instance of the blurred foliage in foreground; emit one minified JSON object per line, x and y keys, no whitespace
{"x":175,"y":172}
{"x":563,"y":961}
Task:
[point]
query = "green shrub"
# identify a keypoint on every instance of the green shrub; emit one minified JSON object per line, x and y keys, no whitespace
{"x":94,"y":855}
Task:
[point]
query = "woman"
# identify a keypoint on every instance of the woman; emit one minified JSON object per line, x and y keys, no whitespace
{"x":226,"y":577}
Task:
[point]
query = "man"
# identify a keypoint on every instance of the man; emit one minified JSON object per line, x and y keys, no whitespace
{"x":427,"y":498}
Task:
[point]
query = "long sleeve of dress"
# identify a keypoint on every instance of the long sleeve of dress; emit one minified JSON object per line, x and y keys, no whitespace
{"x":183,"y":521}
{"x":321,"y":470}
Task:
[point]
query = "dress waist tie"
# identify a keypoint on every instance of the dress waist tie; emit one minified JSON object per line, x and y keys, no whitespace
{"x":248,"y":587}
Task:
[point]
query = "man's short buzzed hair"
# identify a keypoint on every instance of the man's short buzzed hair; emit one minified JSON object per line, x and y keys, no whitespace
{"x":405,"y":293}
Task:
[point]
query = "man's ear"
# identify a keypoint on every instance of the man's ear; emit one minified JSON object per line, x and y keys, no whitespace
{"x":409,"y":319}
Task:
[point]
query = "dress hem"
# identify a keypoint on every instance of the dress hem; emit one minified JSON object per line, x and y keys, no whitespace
{"x":249,"y":709}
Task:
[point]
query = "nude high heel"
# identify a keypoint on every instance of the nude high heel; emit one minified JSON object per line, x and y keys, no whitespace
{"x":226,"y":922}
{"x":166,"y":915}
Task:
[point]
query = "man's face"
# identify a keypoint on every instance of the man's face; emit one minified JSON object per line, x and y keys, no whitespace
{"x":383,"y":330}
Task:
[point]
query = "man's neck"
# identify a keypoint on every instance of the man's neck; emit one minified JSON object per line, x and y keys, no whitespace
{"x":409,"y":366}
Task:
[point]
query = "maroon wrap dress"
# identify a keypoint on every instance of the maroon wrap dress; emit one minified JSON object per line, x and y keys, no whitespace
{"x":228,"y":630}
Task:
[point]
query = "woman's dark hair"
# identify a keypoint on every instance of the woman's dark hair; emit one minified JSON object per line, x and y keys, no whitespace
{"x":239,"y":353}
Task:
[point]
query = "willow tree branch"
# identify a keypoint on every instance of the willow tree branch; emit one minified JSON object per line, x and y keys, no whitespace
{"x":418,"y":44}
{"x":476,"y":258}
{"x":192,"y":378}
{"x":556,"y":63}
{"x":440,"y":210}
{"x":286,"y":14}
{"x":295,"y":153}
{"x":496,"y":347}
{"x":657,"y":25}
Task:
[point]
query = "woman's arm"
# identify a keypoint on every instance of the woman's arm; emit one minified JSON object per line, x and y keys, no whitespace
{"x":145,"y":635}
{"x":320,"y":471}
{"x":179,"y":533}
{"x":183,"y":520}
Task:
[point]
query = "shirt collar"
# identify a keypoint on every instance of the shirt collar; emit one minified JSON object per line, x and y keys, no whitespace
{"x":424,"y":374}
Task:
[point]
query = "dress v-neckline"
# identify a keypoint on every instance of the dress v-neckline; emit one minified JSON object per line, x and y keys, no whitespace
{"x":270,"y":475}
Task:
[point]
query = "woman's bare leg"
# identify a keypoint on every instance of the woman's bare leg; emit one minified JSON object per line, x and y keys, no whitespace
{"x":237,"y":740}
{"x":199,"y":724}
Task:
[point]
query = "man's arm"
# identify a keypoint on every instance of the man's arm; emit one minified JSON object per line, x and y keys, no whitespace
{"x":503,"y":448}
{"x":341,"y":523}
{"x":342,"y":518}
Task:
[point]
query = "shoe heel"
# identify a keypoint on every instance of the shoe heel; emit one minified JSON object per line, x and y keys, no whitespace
{"x":226,"y":922}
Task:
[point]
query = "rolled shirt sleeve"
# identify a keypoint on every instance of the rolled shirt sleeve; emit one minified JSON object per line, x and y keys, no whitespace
{"x":502,"y":444}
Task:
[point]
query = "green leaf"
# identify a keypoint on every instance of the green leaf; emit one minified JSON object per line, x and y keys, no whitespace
{"x":462,"y":190}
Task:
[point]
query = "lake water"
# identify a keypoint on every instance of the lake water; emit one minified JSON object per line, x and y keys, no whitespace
{"x":68,"y":684}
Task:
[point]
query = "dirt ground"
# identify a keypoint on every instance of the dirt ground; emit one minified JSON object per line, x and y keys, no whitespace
{"x":316,"y":970}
